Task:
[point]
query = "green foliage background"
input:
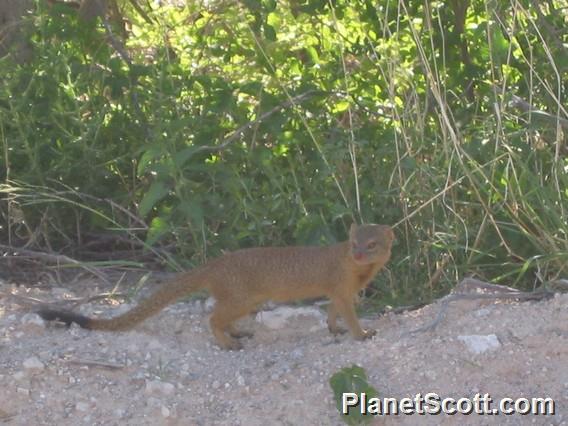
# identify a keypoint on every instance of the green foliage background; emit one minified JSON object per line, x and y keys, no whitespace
{"x":227,"y":124}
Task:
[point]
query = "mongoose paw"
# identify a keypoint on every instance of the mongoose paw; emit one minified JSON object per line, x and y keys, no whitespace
{"x":367,"y":334}
{"x":233,"y":345}
{"x":337,"y":330}
{"x":241,"y":334}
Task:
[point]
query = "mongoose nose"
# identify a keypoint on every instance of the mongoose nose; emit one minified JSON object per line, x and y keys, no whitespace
{"x":358,"y":255}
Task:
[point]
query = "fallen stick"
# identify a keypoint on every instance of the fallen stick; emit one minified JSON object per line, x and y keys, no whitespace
{"x":94,"y":363}
{"x":54,"y":258}
{"x":470,"y":284}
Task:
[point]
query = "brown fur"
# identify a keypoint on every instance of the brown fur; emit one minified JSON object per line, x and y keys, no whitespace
{"x":242,"y":280}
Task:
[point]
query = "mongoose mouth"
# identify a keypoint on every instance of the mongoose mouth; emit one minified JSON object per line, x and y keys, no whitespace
{"x":358,"y":256}
{"x":361,"y":259}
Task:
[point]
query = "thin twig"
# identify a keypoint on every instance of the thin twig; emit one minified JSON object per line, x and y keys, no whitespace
{"x":74,"y":301}
{"x":23,"y":300}
{"x":116,"y":206}
{"x":141,"y":11}
{"x":438,"y":272}
{"x":519,"y":103}
{"x":432,"y":325}
{"x":231,"y":138}
{"x":82,"y":300}
{"x":427,"y":203}
{"x":94,"y":363}
{"x":54,"y":258}
{"x":117,"y":45}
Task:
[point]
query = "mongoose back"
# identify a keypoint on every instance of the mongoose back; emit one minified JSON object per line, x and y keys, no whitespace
{"x":242,"y":280}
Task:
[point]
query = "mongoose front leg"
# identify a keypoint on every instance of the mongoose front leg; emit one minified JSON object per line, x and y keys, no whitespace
{"x":218,"y":327}
{"x":332,"y":320}
{"x":346,"y":308}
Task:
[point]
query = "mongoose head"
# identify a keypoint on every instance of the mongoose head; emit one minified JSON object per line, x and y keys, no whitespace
{"x":370,"y":243}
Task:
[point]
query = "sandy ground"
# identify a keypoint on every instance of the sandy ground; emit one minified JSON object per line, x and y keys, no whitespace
{"x":168,"y":371}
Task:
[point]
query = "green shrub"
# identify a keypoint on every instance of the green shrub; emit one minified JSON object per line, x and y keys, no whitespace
{"x":440,"y":119}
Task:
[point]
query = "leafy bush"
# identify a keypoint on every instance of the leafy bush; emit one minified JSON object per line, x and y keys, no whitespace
{"x":267,"y":123}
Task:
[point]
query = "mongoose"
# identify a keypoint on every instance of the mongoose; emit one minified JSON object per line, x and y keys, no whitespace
{"x":242,"y":280}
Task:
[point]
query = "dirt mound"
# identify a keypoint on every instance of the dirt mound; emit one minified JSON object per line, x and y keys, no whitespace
{"x":169,"y":371}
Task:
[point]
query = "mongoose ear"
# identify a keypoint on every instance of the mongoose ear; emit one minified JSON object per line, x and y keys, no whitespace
{"x":352,"y":230}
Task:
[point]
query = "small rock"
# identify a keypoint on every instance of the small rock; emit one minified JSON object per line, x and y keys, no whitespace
{"x":209,"y":304}
{"x":23,"y":391}
{"x":195,"y":308}
{"x":33,"y":363}
{"x":279,"y":317}
{"x":297,"y":354}
{"x":479,"y":344}
{"x":33,"y":320}
{"x":76,"y":331}
{"x":430,"y":375}
{"x":153,"y":402}
{"x":154,"y":387}
{"x":19,"y":375}
{"x":119,"y":412}
{"x":165,"y":411}
{"x":154,"y":345}
{"x":520,"y":333}
{"x":82,"y":406}
{"x":483,"y":312}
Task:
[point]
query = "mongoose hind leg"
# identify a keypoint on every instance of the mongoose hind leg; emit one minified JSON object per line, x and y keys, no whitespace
{"x":222,"y":318}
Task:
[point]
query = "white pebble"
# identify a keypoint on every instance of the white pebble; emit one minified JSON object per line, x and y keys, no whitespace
{"x":33,"y":363}
{"x":165,"y":411}
{"x":157,"y":387}
{"x":82,"y":406}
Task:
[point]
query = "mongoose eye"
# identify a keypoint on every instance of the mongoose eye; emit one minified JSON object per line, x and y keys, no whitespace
{"x":372,"y":245}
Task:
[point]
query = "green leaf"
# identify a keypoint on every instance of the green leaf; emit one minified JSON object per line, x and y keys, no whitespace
{"x":184,"y":155}
{"x":158,"y":228}
{"x":312,"y":230}
{"x":352,"y":380}
{"x":341,"y":106}
{"x":149,"y":155}
{"x":270,"y":5}
{"x":252,"y":88}
{"x":269,"y":32}
{"x":312,"y":54}
{"x":253,"y":5}
{"x":193,"y":211}
{"x":157,"y":191}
